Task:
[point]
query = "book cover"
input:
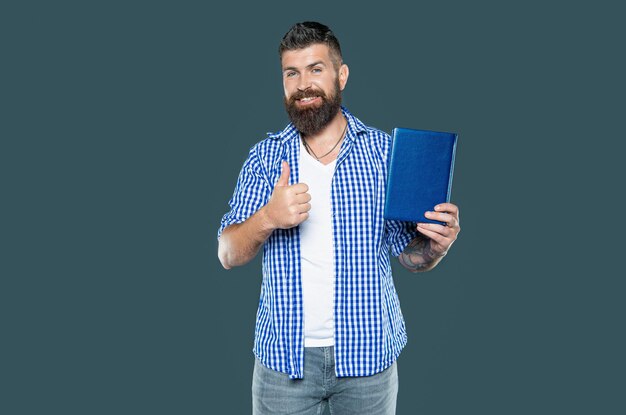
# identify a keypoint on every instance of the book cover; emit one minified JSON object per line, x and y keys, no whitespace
{"x":420,"y":173}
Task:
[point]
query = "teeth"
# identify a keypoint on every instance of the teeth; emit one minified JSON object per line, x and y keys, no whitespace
{"x":307,"y":99}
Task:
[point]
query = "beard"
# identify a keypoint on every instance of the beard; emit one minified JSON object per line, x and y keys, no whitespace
{"x":313,"y":120}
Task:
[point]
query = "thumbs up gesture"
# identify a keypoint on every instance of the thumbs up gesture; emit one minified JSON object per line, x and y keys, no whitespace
{"x":289,"y":205}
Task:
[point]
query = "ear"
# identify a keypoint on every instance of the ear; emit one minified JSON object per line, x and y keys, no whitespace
{"x":344,"y":71}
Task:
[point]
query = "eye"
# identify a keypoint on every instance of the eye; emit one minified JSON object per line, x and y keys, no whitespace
{"x":290,"y":74}
{"x":316,"y":70}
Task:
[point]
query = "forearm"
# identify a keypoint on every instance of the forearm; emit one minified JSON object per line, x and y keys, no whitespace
{"x":239,"y":243}
{"x":418,"y":255}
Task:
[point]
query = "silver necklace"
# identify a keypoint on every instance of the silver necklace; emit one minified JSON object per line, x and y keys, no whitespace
{"x":311,"y":152}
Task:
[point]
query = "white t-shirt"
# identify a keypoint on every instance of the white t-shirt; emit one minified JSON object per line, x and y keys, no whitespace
{"x":316,"y":247}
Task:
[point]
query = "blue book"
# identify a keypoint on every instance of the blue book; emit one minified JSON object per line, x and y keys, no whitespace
{"x":420,"y":173}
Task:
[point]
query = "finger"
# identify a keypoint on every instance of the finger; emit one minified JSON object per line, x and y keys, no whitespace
{"x":448,"y":207}
{"x":437,"y":237}
{"x":298,"y":208}
{"x":300,"y":188}
{"x":445,"y":231}
{"x":303,"y":198}
{"x":442,"y":217}
{"x":283,"y":180}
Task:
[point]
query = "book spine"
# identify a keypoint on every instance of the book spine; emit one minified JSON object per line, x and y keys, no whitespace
{"x":389,"y":158}
{"x":451,"y":167}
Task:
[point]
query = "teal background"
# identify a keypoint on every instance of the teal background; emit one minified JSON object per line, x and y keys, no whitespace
{"x":124,"y":126}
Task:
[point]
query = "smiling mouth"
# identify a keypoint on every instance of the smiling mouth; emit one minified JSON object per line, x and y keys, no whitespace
{"x":307,"y":100}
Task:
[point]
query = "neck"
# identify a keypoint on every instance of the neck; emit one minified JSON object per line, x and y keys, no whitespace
{"x":324,"y":146}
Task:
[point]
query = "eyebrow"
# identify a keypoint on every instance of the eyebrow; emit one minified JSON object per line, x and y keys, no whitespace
{"x":293,"y":68}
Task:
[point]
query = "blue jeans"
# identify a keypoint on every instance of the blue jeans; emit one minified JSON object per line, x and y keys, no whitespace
{"x":274,"y":393}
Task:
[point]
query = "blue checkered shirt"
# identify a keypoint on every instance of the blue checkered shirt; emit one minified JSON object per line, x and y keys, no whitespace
{"x":369,"y":327}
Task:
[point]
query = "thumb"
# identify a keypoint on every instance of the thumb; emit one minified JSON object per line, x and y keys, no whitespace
{"x":283,"y":180}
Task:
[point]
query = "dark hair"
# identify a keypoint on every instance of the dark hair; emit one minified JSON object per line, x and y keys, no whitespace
{"x":305,"y":34}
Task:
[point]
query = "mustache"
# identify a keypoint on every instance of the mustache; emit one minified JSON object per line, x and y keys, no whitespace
{"x":307,"y":93}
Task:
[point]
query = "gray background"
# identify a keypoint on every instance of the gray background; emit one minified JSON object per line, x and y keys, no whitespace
{"x":124,"y":126}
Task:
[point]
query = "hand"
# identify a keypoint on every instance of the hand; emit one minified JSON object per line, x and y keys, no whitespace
{"x":441,"y":237}
{"x":289,"y":205}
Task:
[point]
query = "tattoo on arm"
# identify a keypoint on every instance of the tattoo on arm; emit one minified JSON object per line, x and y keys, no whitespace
{"x":417,"y":256}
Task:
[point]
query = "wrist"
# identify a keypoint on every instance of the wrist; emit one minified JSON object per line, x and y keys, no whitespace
{"x":265,"y":221}
{"x":432,"y":254}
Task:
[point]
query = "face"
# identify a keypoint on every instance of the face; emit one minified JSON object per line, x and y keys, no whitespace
{"x":312,"y":87}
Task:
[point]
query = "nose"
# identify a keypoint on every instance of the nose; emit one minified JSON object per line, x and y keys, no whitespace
{"x":304,"y":82}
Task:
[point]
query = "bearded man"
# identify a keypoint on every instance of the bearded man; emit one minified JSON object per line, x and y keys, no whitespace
{"x":329,"y":327}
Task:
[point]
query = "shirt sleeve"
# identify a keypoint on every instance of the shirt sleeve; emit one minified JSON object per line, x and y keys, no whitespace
{"x":399,"y":234}
{"x":251,"y":193}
